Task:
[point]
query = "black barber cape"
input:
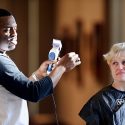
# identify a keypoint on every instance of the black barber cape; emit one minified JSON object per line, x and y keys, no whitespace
{"x":107,"y":107}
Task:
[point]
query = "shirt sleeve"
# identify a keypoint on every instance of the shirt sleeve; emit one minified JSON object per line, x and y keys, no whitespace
{"x":18,"y":84}
{"x":90,"y":113}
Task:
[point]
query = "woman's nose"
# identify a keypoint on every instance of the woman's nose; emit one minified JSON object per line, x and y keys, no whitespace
{"x":120,"y":66}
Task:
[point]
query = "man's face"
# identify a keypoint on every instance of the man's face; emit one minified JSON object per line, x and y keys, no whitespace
{"x":8,"y":33}
{"x":117,"y":67}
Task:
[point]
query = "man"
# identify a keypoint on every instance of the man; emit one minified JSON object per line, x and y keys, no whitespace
{"x":107,"y":107}
{"x":15,"y":87}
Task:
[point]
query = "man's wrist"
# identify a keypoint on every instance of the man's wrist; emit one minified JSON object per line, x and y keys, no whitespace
{"x":35,"y":77}
{"x":62,"y":68}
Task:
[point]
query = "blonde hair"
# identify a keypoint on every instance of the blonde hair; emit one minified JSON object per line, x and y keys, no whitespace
{"x":115,"y":49}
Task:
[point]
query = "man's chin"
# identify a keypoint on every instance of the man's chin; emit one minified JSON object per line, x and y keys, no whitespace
{"x":11,"y":48}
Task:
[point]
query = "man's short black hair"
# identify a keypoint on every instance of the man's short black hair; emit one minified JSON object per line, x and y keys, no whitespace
{"x":4,"y":12}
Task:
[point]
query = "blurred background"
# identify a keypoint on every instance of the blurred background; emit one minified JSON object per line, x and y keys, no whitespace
{"x":88,"y":27}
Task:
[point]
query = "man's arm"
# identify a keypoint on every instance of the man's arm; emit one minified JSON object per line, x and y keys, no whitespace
{"x":65,"y":64}
{"x":18,"y":84}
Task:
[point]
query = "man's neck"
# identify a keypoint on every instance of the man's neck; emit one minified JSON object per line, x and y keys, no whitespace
{"x":2,"y":51}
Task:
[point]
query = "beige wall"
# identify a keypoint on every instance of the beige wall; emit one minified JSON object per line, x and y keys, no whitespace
{"x":68,"y":11}
{"x":71,"y":95}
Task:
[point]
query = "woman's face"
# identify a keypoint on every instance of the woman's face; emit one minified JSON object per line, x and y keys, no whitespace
{"x":8,"y":33}
{"x":117,"y":67}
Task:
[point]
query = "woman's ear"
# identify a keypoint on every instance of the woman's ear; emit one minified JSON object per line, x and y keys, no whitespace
{"x":109,"y":63}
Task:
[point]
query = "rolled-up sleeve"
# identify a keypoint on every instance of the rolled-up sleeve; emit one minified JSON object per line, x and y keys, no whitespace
{"x":17,"y":83}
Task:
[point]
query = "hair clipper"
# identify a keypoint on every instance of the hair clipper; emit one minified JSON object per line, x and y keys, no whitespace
{"x":54,"y":53}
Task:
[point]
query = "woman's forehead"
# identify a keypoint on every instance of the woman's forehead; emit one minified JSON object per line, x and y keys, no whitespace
{"x":7,"y":21}
{"x":119,"y":55}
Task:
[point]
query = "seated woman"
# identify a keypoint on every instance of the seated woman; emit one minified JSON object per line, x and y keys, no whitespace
{"x":107,"y":107}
